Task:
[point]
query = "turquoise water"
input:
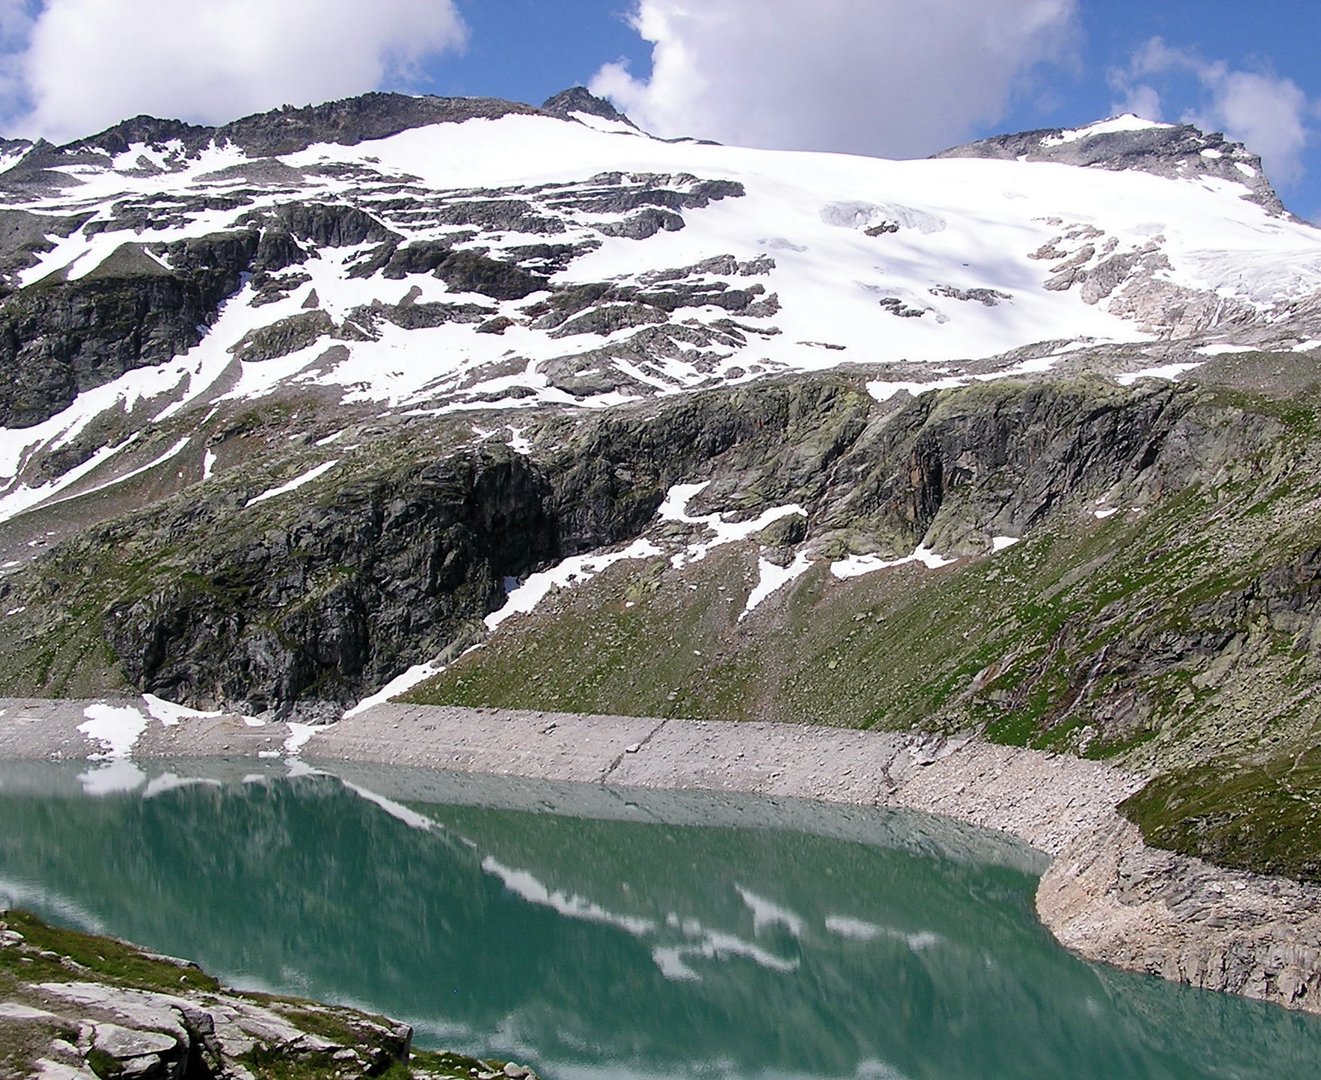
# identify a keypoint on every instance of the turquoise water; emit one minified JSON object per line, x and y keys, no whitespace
{"x":598,"y":933}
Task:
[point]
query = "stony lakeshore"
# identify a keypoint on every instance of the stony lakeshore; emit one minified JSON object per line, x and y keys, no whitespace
{"x":1105,"y":894}
{"x":77,"y":1006}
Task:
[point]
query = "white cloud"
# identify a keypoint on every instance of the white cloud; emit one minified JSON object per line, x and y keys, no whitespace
{"x":91,"y":63}
{"x":1267,"y":113}
{"x":869,"y":76}
{"x":1141,"y":100}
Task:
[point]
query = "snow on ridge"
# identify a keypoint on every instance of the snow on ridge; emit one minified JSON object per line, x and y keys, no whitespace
{"x":1161,"y":371}
{"x":960,"y":225}
{"x":1123,"y":122}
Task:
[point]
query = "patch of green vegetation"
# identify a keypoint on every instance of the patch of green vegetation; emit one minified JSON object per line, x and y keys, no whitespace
{"x":103,"y":958}
{"x":269,"y":1064}
{"x":105,"y":1066}
{"x":618,"y":647}
{"x":1103,"y":749}
{"x":1297,"y":411}
{"x":447,"y":1065}
{"x":1264,"y":817}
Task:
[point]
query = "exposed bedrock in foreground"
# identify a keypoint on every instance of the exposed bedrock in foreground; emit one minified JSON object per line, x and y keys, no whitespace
{"x":1105,"y":895}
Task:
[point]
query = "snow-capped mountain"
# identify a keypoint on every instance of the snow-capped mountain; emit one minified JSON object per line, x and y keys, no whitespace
{"x":422,"y":256}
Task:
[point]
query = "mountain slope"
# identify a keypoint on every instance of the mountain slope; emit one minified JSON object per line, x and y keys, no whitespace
{"x":325,"y":397}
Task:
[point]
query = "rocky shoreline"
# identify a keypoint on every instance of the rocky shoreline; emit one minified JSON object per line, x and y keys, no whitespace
{"x":1105,"y":894}
{"x":77,"y":1006}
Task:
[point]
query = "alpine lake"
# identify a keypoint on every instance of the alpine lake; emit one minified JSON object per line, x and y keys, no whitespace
{"x":610,"y":933}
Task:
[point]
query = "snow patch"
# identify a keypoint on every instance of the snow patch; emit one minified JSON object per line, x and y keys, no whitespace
{"x":299,"y":734}
{"x":524,"y":598}
{"x":292,"y":485}
{"x":1000,"y":543}
{"x":772,"y":578}
{"x":857,"y":565}
{"x":884,"y":391}
{"x":1163,"y":371}
{"x":517,"y":443}
{"x":116,"y":728}
{"x":1225,"y":348}
{"x":170,"y":714}
{"x":418,"y":673}
{"x":1125,"y":122}
{"x":675,"y":508}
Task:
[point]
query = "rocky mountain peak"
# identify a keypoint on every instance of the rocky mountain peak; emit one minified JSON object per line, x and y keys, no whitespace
{"x":578,"y":99}
{"x":289,"y":129}
{"x":148,"y":131}
{"x":1129,"y":143}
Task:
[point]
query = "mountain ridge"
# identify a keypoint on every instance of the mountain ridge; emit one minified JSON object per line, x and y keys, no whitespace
{"x":1174,"y":151}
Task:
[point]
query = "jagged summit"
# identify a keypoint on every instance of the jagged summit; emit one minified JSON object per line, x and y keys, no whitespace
{"x":286,"y":130}
{"x":578,"y":99}
{"x":1127,"y":143}
{"x":346,"y":122}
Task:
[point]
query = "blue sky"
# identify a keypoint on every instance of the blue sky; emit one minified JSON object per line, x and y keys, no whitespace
{"x":862,"y":76}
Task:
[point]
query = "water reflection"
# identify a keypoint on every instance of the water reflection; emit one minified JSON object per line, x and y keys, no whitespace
{"x":616,"y":933}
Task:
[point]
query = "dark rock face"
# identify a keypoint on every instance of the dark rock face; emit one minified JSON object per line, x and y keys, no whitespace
{"x":331,"y":224}
{"x":324,"y":599}
{"x":1010,"y":457}
{"x":470,"y":271}
{"x":150,"y":131}
{"x":1176,"y":151}
{"x":328,"y":603}
{"x":60,"y":338}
